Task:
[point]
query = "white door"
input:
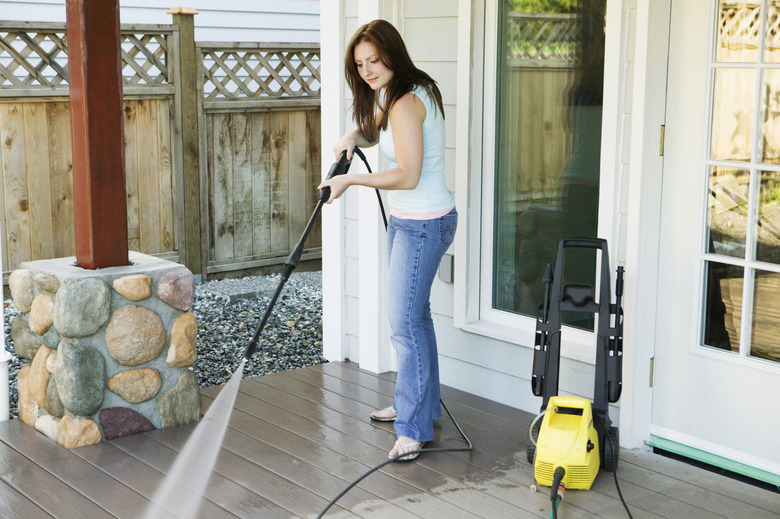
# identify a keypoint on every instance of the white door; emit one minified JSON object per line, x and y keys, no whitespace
{"x":717,"y":353}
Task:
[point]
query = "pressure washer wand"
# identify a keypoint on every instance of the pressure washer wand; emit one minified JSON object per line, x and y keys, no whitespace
{"x":340,"y":167}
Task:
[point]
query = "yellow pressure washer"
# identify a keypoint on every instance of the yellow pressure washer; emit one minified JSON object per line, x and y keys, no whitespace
{"x":569,"y":449}
{"x":568,"y":439}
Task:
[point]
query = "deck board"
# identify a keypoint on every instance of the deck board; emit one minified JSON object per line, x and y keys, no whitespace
{"x":438,"y":465}
{"x":14,"y":502}
{"x":35,"y":483}
{"x":298,"y":438}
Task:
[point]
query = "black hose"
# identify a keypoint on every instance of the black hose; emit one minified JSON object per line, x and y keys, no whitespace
{"x":363,"y":476}
{"x":614,"y":464}
{"x":360,"y":154}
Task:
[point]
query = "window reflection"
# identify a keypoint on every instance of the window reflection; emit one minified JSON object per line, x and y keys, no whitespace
{"x":765,"y":331}
{"x":743,"y":210}
{"x":770,"y":122}
{"x":723,"y":306}
{"x":732,"y":114}
{"x":549,"y":110}
{"x":772,"y":32}
{"x":738,"y":31}
{"x":727,"y":211}
{"x":768,"y":221}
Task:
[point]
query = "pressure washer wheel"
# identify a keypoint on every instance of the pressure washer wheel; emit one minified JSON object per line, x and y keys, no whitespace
{"x":610,"y":459}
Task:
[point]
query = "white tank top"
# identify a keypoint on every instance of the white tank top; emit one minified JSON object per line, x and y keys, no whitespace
{"x":431,"y":194}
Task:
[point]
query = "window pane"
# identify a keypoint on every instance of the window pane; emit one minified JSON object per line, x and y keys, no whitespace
{"x":727,"y":211}
{"x":738,"y":31}
{"x":770,"y":122}
{"x":768,"y":223}
{"x":723,"y":306}
{"x":549,"y":107}
{"x":765,"y":331}
{"x":732,"y":114}
{"x":772,"y":32}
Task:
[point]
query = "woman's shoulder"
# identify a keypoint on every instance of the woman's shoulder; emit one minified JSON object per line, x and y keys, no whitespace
{"x":409,"y":104}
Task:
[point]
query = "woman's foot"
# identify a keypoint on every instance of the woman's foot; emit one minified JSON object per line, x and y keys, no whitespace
{"x":388,"y":414}
{"x":407,"y":448}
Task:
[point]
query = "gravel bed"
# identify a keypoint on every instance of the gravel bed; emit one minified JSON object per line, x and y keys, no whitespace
{"x":229,"y":312}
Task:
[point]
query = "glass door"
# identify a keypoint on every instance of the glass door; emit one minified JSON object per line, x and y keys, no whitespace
{"x":742,"y":250}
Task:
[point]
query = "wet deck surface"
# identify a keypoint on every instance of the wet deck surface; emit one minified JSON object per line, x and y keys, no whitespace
{"x":297,"y":439}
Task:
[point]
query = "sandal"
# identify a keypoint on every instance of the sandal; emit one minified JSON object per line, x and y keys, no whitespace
{"x":407,"y":452}
{"x":388,"y":414}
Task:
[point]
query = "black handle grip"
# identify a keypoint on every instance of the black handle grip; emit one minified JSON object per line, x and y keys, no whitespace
{"x":340,"y":167}
{"x":586,"y":243}
{"x":548,"y":275}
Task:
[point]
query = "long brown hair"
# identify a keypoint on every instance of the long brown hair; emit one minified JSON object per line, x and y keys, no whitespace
{"x":391,"y":50}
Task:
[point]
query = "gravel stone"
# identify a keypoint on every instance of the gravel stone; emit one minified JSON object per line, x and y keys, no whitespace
{"x":229,"y":312}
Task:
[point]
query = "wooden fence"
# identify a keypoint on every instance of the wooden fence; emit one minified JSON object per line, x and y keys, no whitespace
{"x":260,"y":152}
{"x":220,"y":180}
{"x":37,"y":188}
{"x":37,"y":216}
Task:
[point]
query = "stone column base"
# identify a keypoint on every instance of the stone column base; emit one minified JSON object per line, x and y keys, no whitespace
{"x":109,"y":349}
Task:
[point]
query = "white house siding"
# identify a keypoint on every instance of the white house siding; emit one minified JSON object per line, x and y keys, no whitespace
{"x":218,"y":20}
{"x":356,"y":303}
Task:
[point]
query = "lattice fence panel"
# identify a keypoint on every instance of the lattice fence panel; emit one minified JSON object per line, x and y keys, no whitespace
{"x":38,"y":57}
{"x":549,"y":39}
{"x":269,"y":72}
{"x":145,"y":59}
{"x":773,"y":28}
{"x":739,"y":25}
{"x":740,"y":31}
{"x":33,"y":58}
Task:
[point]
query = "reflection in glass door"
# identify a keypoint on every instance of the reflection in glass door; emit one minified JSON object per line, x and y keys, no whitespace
{"x":550,"y":75}
{"x":742,"y":249}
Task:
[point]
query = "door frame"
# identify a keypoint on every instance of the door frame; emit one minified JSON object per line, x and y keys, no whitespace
{"x":633,"y":222}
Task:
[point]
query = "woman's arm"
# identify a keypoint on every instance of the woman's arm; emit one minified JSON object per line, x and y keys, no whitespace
{"x":406,"y":118}
{"x":348,"y":142}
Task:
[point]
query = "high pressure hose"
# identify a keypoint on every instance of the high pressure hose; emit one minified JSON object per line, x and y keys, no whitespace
{"x":534,"y":422}
{"x":360,"y":478}
{"x":612,"y":449}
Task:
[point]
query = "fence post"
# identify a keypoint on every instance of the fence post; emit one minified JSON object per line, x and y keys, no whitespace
{"x":183,"y":17}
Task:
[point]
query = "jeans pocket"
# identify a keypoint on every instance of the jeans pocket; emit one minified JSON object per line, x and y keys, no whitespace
{"x":447,"y":226}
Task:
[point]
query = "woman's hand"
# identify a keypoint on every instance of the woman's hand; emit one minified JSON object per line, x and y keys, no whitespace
{"x":337,"y":185}
{"x":346,"y":143}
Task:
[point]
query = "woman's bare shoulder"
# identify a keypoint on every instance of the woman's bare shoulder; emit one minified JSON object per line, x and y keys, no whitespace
{"x":408,"y":105}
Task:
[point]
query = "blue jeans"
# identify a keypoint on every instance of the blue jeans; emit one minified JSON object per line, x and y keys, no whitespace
{"x":415,"y":248}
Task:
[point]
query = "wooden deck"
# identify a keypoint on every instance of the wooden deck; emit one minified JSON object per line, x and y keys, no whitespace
{"x":296,"y":439}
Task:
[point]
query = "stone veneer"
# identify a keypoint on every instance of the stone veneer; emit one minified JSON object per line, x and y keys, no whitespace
{"x":109,"y":349}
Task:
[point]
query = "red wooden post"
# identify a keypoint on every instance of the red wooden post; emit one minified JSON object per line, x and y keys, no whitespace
{"x":95,"y":77}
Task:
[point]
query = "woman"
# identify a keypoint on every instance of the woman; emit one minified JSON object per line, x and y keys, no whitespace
{"x":399,"y":107}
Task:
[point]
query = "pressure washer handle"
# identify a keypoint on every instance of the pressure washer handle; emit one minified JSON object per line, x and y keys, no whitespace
{"x":547,"y":279}
{"x":340,"y":167}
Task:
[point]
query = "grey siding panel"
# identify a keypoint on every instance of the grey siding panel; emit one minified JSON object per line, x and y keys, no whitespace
{"x":234,"y":20}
